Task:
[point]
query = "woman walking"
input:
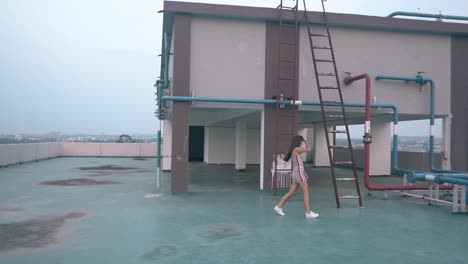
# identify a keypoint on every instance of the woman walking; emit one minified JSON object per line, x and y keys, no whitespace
{"x":298,"y":176}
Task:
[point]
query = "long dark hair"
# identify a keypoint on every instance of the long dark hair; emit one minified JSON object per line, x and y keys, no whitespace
{"x":295,"y":142}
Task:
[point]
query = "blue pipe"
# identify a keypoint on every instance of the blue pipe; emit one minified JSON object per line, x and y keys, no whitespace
{"x":452,"y":178}
{"x":421,"y":80}
{"x":222,"y":100}
{"x":395,"y":168}
{"x":272,"y":101}
{"x":412,"y":14}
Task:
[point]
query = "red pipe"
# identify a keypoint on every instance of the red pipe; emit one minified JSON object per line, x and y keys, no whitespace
{"x":367,"y":141}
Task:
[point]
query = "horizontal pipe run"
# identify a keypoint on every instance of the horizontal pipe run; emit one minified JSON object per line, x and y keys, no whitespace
{"x":288,"y":102}
{"x":452,"y":178}
{"x":425,"y":15}
{"x":271,"y":101}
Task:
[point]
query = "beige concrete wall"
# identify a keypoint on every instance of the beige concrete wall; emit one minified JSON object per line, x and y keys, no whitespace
{"x":111,"y":149}
{"x":418,"y":160}
{"x":220,"y":146}
{"x":80,"y":149}
{"x":227,"y":58}
{"x":384,"y":53}
{"x":167,"y":145}
{"x":253,"y":146}
{"x":18,"y":153}
{"x":406,"y":160}
{"x":108,"y":149}
{"x":149,"y":150}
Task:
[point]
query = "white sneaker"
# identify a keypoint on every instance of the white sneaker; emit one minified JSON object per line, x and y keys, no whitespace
{"x":311,"y":215}
{"x":278,"y":210}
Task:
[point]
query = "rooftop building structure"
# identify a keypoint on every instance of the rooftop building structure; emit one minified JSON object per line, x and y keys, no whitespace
{"x":220,"y":64}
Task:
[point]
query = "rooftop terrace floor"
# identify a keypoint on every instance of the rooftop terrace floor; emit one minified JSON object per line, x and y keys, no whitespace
{"x":123,"y":218}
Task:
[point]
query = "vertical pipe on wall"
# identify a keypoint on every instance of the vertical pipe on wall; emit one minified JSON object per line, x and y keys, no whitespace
{"x":161,"y":84}
{"x":422,"y":80}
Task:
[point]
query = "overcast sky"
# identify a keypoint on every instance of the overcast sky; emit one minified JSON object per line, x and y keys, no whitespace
{"x":88,"y":66}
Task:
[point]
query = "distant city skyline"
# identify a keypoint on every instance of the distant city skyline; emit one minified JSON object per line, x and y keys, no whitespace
{"x":89,"y":66}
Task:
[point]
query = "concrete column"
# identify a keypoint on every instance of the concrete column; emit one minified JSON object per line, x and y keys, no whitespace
{"x":310,"y":138}
{"x":320,"y":151}
{"x":458,"y":105}
{"x":206,"y":146}
{"x":167,"y":145}
{"x":241,"y":145}
{"x":380,"y":149}
{"x":446,"y":123}
{"x":180,"y":134}
{"x":262,"y":148}
{"x":180,"y":110}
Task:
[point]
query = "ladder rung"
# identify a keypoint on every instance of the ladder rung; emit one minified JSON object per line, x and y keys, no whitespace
{"x":317,"y":47}
{"x":288,"y":97}
{"x":348,"y":197}
{"x":289,"y":25}
{"x":328,"y":87}
{"x":288,"y":43}
{"x":337,"y":131}
{"x":327,"y":74}
{"x":321,"y":23}
{"x":334,"y":116}
{"x":288,"y":61}
{"x":322,"y":60}
{"x":339,"y":147}
{"x":345,"y":179}
{"x":342,"y":162}
{"x":283,"y":97}
{"x":318,"y":35}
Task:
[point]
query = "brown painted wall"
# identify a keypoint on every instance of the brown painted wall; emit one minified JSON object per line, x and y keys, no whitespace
{"x":459,"y":105}
{"x":286,"y":88}
{"x":180,"y":110}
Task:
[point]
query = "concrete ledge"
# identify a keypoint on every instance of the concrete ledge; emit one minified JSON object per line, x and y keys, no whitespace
{"x":407,"y":160}
{"x":19,"y":153}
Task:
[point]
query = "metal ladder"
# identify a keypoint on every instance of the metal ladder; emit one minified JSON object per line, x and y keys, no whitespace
{"x":286,"y":84}
{"x":328,"y":86}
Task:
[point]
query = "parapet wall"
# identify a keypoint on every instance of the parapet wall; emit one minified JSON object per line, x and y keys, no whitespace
{"x":18,"y":153}
{"x":418,"y":161}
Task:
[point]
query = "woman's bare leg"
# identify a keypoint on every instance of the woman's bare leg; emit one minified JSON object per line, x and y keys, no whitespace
{"x":305,"y":189}
{"x":291,"y":192}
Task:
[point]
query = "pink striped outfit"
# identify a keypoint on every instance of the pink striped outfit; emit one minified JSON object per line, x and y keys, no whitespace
{"x":298,"y":174}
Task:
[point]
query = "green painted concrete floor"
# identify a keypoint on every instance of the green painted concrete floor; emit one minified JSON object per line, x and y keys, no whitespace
{"x":123,"y":218}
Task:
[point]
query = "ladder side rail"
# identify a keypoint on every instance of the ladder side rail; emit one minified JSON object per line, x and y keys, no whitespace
{"x":325,"y":126}
{"x":275,"y":160}
{"x":295,"y":108}
{"x":342,"y":105}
